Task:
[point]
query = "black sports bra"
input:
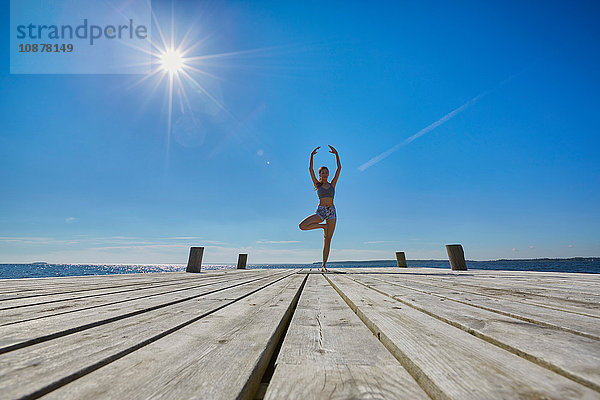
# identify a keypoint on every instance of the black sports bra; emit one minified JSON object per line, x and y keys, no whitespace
{"x":329,"y":192}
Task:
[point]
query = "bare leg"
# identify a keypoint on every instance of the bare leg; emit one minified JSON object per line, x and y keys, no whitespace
{"x":312,"y":222}
{"x":314,"y":225}
{"x":326,"y":246}
{"x":327,"y":241}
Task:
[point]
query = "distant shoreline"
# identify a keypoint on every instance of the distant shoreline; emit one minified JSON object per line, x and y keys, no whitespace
{"x":445,"y":260}
{"x":316,"y":262}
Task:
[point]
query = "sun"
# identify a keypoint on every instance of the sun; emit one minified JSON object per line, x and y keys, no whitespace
{"x":178,"y":64}
{"x":171,"y":61}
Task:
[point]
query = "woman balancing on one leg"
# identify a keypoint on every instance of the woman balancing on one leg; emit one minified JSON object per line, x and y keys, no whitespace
{"x":326,"y":209}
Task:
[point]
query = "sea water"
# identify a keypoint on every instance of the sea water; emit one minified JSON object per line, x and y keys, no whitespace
{"x":44,"y":270}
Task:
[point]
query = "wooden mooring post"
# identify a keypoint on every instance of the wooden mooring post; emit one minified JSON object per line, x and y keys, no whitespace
{"x":401,"y":259}
{"x":195,"y":260}
{"x":456,"y":255}
{"x":242,"y":259}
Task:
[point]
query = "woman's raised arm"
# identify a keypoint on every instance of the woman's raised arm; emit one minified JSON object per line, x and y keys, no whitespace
{"x":339,"y":165}
{"x":310,"y":167}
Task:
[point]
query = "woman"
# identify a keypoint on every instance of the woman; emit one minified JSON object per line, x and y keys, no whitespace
{"x":325,"y":209}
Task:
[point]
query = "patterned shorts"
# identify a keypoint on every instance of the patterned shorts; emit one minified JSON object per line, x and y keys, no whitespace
{"x":326,"y":212}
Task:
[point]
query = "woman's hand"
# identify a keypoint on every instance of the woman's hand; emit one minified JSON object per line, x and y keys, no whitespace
{"x":315,"y":151}
{"x":334,"y":151}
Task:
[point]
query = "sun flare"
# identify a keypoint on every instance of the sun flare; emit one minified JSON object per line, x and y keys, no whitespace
{"x":182,"y":66}
{"x":172,"y":61}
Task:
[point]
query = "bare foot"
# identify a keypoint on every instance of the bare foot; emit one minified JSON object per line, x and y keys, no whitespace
{"x":325,"y":231}
{"x":323,"y":269}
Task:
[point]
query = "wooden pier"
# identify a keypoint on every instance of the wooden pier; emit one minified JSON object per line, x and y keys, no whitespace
{"x":356,"y":333}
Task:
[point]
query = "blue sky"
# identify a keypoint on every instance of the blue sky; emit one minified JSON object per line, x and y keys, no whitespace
{"x":87,"y":176}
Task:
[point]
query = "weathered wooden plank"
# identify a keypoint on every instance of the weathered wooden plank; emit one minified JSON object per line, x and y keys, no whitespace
{"x":7,"y":283}
{"x":221,"y":356}
{"x":554,"y":287}
{"x":573,"y":300}
{"x":475,"y":273}
{"x":351,"y":381}
{"x":56,"y":285}
{"x":42,"y":329}
{"x":39,"y":368}
{"x":35,"y":308}
{"x":328,"y":352}
{"x":448,"y":362}
{"x":569,"y":288}
{"x":574,"y":290}
{"x":589,"y":284}
{"x":93,"y":290}
{"x":573,"y":356}
{"x":32,"y":295}
{"x":575,"y":323}
{"x":70,"y":281}
{"x":524,"y":278}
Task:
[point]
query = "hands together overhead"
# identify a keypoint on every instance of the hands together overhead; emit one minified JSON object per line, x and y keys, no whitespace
{"x":333,"y":150}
